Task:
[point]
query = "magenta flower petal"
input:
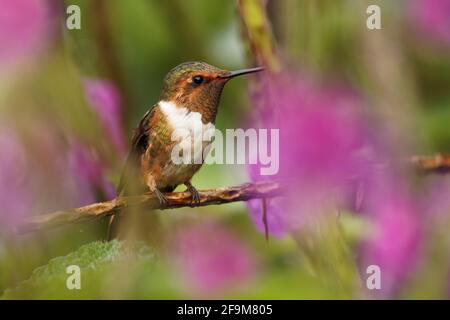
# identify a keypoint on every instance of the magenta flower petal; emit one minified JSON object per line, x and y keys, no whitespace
{"x":437,"y":196}
{"x":276,"y":217}
{"x":395,"y":244}
{"x":24,"y":26}
{"x":15,"y":202}
{"x":105,"y":99}
{"x":321,"y":138}
{"x":87,"y":172}
{"x":34,"y":180}
{"x":211,"y":259}
{"x":432,"y":18}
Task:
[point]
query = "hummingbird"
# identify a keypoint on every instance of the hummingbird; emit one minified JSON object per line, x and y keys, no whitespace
{"x":189,"y":101}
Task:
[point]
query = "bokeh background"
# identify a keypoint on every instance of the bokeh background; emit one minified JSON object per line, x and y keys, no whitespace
{"x":349,"y":103}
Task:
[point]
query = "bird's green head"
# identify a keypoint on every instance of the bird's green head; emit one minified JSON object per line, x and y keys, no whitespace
{"x":197,"y":85}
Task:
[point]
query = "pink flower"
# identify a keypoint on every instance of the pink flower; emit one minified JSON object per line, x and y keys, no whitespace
{"x":432,"y":18}
{"x":437,"y":195}
{"x":105,"y":99}
{"x":278,"y":223}
{"x":396,"y":240}
{"x":322,"y":142}
{"x":24,"y":27}
{"x":211,"y":259}
{"x":87,"y":173}
{"x":15,"y":202}
{"x":39,"y":173}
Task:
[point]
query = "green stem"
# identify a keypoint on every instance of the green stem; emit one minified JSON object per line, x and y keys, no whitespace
{"x":257,"y":34}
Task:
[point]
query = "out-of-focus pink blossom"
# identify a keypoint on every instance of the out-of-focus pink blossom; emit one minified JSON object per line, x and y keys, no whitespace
{"x":437,"y":207}
{"x":432,"y":18}
{"x":394,"y":246}
{"x":39,"y":173}
{"x":320,"y":131}
{"x":31,"y":176}
{"x":322,"y":149}
{"x":276,"y":217}
{"x":87,"y":173}
{"x":104,"y":97}
{"x":330,"y":157}
{"x":211,"y":259}
{"x":396,"y":240}
{"x":437,"y":196}
{"x":15,"y":202}
{"x":24,"y":27}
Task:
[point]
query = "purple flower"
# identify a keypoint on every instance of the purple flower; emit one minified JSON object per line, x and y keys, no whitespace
{"x":395,"y":243}
{"x":15,"y":202}
{"x":437,"y":195}
{"x":277,"y":222}
{"x":210,"y":259}
{"x":24,"y":27}
{"x":330,"y":157}
{"x":87,"y":173}
{"x":39,"y":173}
{"x":432,"y":18}
{"x":105,"y":99}
{"x":322,"y":142}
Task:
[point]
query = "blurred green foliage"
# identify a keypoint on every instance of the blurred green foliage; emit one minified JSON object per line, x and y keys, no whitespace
{"x":104,"y":264}
{"x":94,"y":260}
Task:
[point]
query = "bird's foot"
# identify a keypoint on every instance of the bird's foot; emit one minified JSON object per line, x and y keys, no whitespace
{"x":161,"y":197}
{"x":195,"y":196}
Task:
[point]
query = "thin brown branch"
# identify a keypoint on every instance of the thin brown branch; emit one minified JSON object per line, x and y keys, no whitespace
{"x":243,"y":192}
{"x":439,"y":163}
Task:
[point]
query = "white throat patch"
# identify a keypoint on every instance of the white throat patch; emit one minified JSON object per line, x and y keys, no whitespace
{"x":189,"y":122}
{"x":181,"y":118}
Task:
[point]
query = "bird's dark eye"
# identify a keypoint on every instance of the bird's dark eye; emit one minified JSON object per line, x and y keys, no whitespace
{"x":197,"y":79}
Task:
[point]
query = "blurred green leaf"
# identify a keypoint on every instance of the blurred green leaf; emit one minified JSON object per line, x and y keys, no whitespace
{"x":94,"y":260}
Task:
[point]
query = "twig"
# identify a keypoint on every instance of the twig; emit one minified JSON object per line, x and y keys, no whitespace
{"x":264,"y":217}
{"x":439,"y":163}
{"x":259,"y":190}
{"x":243,"y":192}
{"x":257,"y":34}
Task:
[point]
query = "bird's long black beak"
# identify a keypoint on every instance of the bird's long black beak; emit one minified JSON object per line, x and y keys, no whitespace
{"x":236,"y":73}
